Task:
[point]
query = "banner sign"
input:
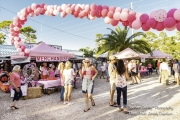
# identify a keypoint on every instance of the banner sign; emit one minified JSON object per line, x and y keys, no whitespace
{"x":20,"y":60}
{"x":46,"y":59}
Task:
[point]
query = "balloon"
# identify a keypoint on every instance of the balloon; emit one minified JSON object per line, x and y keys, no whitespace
{"x":169,"y":22}
{"x":19,"y":26}
{"x":112,"y":8}
{"x":77,"y":8}
{"x":91,"y":17}
{"x":68,"y":10}
{"x":31,"y":14}
{"x":16,"y":43}
{"x":63,"y":7}
{"x":104,"y":13}
{"x":144,"y":18}
{"x":47,"y":13}
{"x":55,"y":7}
{"x":132,"y":12}
{"x":107,"y":20}
{"x":117,"y":16}
{"x":171,"y":29}
{"x":23,"y":48}
{"x":93,"y":13}
{"x":160,"y":15}
{"x":76,"y":14}
{"x":145,"y":27}
{"x":93,"y":7}
{"x":16,"y":38}
{"x":114,"y":22}
{"x":159,"y":26}
{"x":136,"y":24}
{"x":151,"y":22}
{"x":21,"y":17}
{"x":38,"y":6}
{"x":59,"y":8}
{"x":26,"y":50}
{"x":98,"y":14}
{"x":19,"y":41}
{"x":118,"y":9}
{"x":125,"y":23}
{"x":110,"y":14}
{"x":125,"y":10}
{"x":131,"y":17}
{"x":99,"y":8}
{"x":124,"y":16}
{"x":105,"y":7}
{"x":15,"y":19}
{"x":42,"y":11}
{"x":171,"y":12}
{"x":63,"y":14}
{"x":82,"y":14}
{"x":177,"y":15}
{"x":178,"y":26}
{"x":19,"y":50}
{"x":55,"y":12}
{"x":33,"y":6}
{"x":42,"y":5}
{"x":12,"y":42}
{"x":87,"y":8}
{"x":21,"y":53}
{"x":151,"y":15}
{"x":16,"y":29}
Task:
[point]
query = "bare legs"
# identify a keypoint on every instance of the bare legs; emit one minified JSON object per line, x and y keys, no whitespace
{"x":87,"y":101}
{"x":67,"y":93}
{"x":112,"y":97}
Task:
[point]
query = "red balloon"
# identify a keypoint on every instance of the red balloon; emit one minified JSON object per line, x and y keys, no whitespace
{"x":125,"y":23}
{"x":151,"y":23}
{"x":38,"y":6}
{"x":42,"y":5}
{"x":93,"y":7}
{"x":99,"y":8}
{"x":105,"y":7}
{"x":104,"y":13}
{"x":42,"y":11}
{"x":145,"y":27}
{"x":144,"y":18}
{"x":93,"y":13}
{"x":114,"y":22}
{"x":178,"y":26}
{"x":160,"y":26}
{"x":110,"y":14}
{"x":23,"y":47}
{"x":98,"y":14}
{"x":76,"y":14}
{"x":131,"y":17}
{"x":112,"y":8}
{"x":171,"y":12}
{"x":169,"y":22}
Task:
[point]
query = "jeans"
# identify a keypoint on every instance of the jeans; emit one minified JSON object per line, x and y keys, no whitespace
{"x":124,"y":92}
{"x":62,"y":93}
{"x":17,"y":95}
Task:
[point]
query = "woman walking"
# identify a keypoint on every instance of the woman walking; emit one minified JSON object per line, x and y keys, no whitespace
{"x":68,"y":76}
{"x":121,"y":86}
{"x":89,"y":73}
{"x":16,"y":84}
{"x":61,"y":69}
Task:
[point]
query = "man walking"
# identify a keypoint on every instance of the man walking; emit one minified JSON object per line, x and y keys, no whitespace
{"x":163,"y":69}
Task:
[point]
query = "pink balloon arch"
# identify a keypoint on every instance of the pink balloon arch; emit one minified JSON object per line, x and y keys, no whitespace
{"x":158,"y":20}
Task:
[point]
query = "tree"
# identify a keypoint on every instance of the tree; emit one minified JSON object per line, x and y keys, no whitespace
{"x":28,"y":32}
{"x":87,"y":51}
{"x":2,"y":38}
{"x":118,"y":40}
{"x":4,"y":26}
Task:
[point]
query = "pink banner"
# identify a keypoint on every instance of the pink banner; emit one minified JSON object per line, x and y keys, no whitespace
{"x":45,"y":59}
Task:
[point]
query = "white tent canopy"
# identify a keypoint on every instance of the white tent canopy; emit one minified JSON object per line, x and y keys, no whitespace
{"x":158,"y":54}
{"x":127,"y":53}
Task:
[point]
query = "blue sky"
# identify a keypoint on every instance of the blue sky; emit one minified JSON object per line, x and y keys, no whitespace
{"x":80,"y":27}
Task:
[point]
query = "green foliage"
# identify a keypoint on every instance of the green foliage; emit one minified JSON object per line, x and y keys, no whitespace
{"x":87,"y":51}
{"x":118,"y":40}
{"x":4,"y":26}
{"x":2,"y":38}
{"x":28,"y":32}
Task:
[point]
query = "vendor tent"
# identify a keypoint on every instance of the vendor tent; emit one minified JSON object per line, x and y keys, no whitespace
{"x":127,"y":53}
{"x":158,"y":54}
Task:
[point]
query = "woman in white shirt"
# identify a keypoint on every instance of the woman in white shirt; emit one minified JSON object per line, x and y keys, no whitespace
{"x":121,"y":86}
{"x":68,"y":76}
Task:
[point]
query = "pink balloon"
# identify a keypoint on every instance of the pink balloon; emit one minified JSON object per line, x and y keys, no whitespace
{"x":160,"y":26}
{"x":160,"y":15}
{"x":177,"y":15}
{"x":19,"y":50}
{"x":171,"y":12}
{"x":93,"y":13}
{"x":114,"y":22}
{"x":131,"y":17}
{"x":93,"y":7}
{"x":38,"y":6}
{"x":42,"y":11}
{"x":98,"y":14}
{"x":169,"y":22}
{"x":27,"y":50}
{"x":118,"y":9}
{"x":22,"y":53}
{"x":31,"y":14}
{"x":19,"y":26}
{"x":132,"y":12}
{"x":87,"y":8}
{"x":29,"y":9}
{"x":112,"y":8}
{"x":136,"y":24}
{"x":144,"y":18}
{"x":82,"y":14}
{"x":105,"y":7}
{"x":110,"y":14}
{"x":117,"y":16}
{"x":145,"y":27}
{"x":42,"y":5}
{"x":23,"y":47}
{"x":124,"y":16}
{"x":152,"y":14}
{"x":63,"y":14}
{"x":151,"y":22}
{"x":104,"y":13}
{"x":125,"y":23}
{"x":125,"y":10}
{"x":76,"y":14}
{"x":99,"y":8}
{"x":171,"y":29}
{"x":178,"y":26}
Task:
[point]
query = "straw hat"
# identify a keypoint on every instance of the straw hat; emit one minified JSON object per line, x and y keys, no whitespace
{"x":87,"y":60}
{"x":112,"y":58}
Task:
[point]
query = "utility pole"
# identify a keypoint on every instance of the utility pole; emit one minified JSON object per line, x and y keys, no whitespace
{"x":132,"y":9}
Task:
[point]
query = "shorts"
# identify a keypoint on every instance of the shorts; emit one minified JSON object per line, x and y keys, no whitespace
{"x":176,"y":75}
{"x":68,"y":82}
{"x":113,"y":84}
{"x":133,"y":73}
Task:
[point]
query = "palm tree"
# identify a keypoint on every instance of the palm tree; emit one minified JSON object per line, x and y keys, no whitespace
{"x":118,"y":40}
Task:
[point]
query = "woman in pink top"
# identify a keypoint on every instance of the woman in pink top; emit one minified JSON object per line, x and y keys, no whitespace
{"x":44,"y":71}
{"x":61,"y":69}
{"x":51,"y":71}
{"x":16,"y":84}
{"x":150,"y":68}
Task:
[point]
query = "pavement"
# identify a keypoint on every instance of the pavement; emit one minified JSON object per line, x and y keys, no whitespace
{"x":148,"y":100}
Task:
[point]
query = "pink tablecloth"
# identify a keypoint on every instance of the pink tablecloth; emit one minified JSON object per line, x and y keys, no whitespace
{"x":50,"y":83}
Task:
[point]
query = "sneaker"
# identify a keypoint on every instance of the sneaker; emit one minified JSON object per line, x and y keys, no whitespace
{"x":70,"y":103}
{"x":66,"y":102}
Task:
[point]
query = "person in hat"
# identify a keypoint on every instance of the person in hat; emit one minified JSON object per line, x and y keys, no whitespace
{"x":89,"y":74}
{"x":112,"y":79}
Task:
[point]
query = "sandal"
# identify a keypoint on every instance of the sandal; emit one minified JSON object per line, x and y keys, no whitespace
{"x":86,"y":110}
{"x":113,"y":105}
{"x":13,"y":107}
{"x":120,"y":109}
{"x":126,"y":112}
{"x":92,"y":101}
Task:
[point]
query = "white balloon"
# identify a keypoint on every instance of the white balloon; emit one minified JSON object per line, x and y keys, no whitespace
{"x":68,"y":10}
{"x":107,"y":20}
{"x":47,"y":13}
{"x":33,"y":6}
{"x":16,"y":43}
{"x":51,"y":11}
{"x":26,"y":50}
{"x":48,"y":7}
{"x":21,"y":53}
{"x":19,"y":50}
{"x":22,"y":17}
{"x":16,"y":38}
{"x":55,"y":12}
{"x":117,"y":16}
{"x":91,"y":17}
{"x":63,"y":6}
{"x":58,"y":8}
{"x":16,"y":29}
{"x":55,"y":7}
{"x":18,"y":14}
